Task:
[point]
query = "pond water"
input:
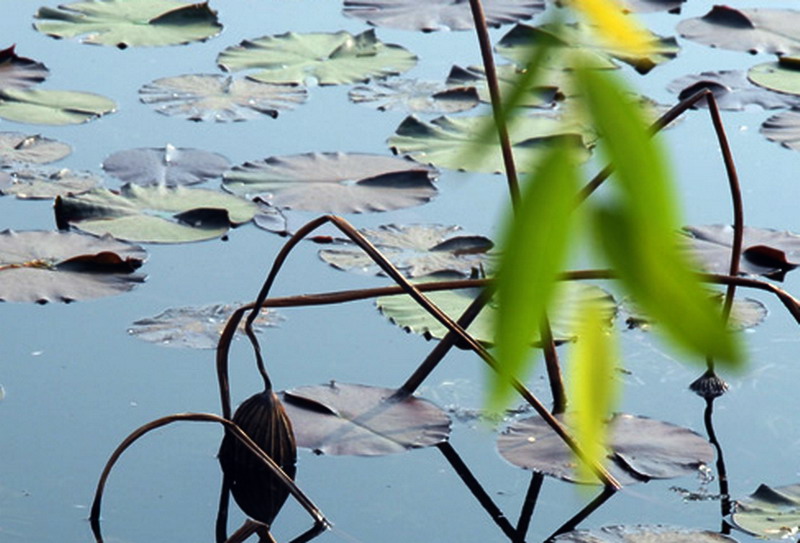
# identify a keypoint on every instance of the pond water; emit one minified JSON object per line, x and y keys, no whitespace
{"x":76,"y":383}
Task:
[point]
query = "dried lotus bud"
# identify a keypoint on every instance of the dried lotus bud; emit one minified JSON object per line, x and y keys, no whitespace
{"x":256,"y":489}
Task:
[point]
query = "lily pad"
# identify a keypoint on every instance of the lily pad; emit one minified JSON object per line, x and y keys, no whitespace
{"x":640,"y":449}
{"x":650,"y":6}
{"x":125,"y":23}
{"x":18,"y":72}
{"x":195,"y":327}
{"x":415,"y":96}
{"x":755,"y":30}
{"x":732,"y":90}
{"x":333,"y":182}
{"x":453,"y":142}
{"x":41,"y":184}
{"x":545,"y":94}
{"x":439,"y":14}
{"x":766,"y":252}
{"x":169,"y":166}
{"x":219,"y":98}
{"x":415,"y":249}
{"x":781,"y":76}
{"x":38,"y":266}
{"x":154,"y":214}
{"x":51,"y":107}
{"x":784,"y":128}
{"x":643,"y":534}
{"x":331,"y":58}
{"x":406,"y":313}
{"x":346,"y":419}
{"x":33,"y":149}
{"x":746,"y":313}
{"x":770,"y":513}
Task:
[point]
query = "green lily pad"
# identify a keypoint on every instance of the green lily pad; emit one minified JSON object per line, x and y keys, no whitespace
{"x":403,"y":311}
{"x":439,"y":14}
{"x":331,"y":58}
{"x":18,"y":72}
{"x":195,"y":327}
{"x":168,"y":166}
{"x":415,"y":96}
{"x":639,"y":449}
{"x":745,"y":313}
{"x":732,"y":90}
{"x":650,"y":6}
{"x":219,"y":98}
{"x":125,"y":23}
{"x":643,"y":534}
{"x":346,"y":419}
{"x":37,"y":106}
{"x":416,"y":250}
{"x":43,"y":267}
{"x":29,"y":184}
{"x":333,"y":182}
{"x":770,"y":513}
{"x":545,"y":94}
{"x":755,"y":30}
{"x":780,"y":76}
{"x":155,"y":214}
{"x":33,"y":149}
{"x":784,"y":128}
{"x":454,"y":142}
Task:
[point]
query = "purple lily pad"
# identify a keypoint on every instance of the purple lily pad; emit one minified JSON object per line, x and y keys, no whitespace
{"x":169,"y":166}
{"x":18,"y":72}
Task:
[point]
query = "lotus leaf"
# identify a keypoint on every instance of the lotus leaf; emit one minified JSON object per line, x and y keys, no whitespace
{"x":770,"y":513}
{"x":439,"y":14}
{"x":764,"y":252}
{"x":346,"y":419}
{"x":194,"y":327}
{"x":415,"y":249}
{"x":732,"y":91}
{"x":48,"y":184}
{"x":169,"y":166}
{"x":649,"y":6}
{"x":643,"y":534}
{"x":15,"y":147}
{"x":333,"y":59}
{"x":415,"y":96}
{"x":43,"y":267}
{"x":544,"y":94}
{"x":124,"y":23}
{"x":37,"y":106}
{"x":154,"y":214}
{"x":755,"y":30}
{"x":406,"y":313}
{"x":18,"y":72}
{"x":640,"y":449}
{"x":454,"y":142}
{"x":781,"y":76}
{"x":745,"y":313}
{"x":334,"y":182}
{"x":215,"y":97}
{"x":784,"y":128}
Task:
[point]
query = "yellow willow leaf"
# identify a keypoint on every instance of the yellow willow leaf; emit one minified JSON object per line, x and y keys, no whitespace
{"x":614,"y":28}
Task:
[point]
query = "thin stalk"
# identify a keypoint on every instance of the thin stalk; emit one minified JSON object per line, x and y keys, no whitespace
{"x":726,"y":506}
{"x":590,"y":508}
{"x":528,"y":506}
{"x":553,"y":367}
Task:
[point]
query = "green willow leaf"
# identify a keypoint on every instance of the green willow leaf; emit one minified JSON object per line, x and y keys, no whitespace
{"x":534,"y":250}
{"x":637,"y":229}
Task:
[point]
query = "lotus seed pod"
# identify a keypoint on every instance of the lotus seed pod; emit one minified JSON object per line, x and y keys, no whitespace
{"x":709,"y":386}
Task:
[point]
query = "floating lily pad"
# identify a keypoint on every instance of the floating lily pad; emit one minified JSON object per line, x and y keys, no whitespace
{"x":732,"y":91}
{"x":124,"y":23}
{"x":41,"y":184}
{"x":755,"y":30}
{"x":781,"y":76}
{"x":406,"y":313}
{"x":746,"y":313}
{"x":333,"y":182}
{"x":345,"y":419}
{"x":766,"y":252}
{"x":219,"y":98}
{"x":640,"y":449}
{"x":168,"y":166}
{"x":37,"y":106}
{"x":415,"y":249}
{"x":33,"y":149}
{"x":439,"y":14}
{"x":415,"y":96}
{"x":453,"y":142}
{"x":770,"y":513}
{"x":195,"y":327}
{"x":544,"y":94}
{"x":18,"y":72}
{"x":155,"y":214}
{"x":643,"y":534}
{"x":45,"y":267}
{"x":784,"y":128}
{"x":650,"y":6}
{"x":332,"y":59}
